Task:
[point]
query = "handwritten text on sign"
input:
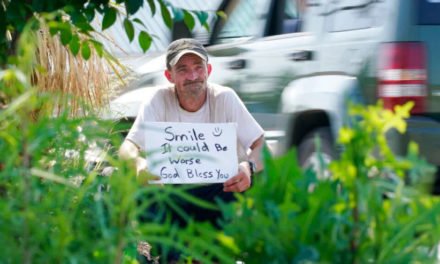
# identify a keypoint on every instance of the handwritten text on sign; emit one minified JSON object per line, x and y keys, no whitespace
{"x":191,"y":152}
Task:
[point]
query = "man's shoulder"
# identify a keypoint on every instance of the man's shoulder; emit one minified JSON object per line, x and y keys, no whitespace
{"x":158,"y":91}
{"x":219,"y":90}
{"x":163,"y":89}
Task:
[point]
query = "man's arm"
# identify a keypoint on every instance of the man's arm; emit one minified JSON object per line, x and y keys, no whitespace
{"x":242,"y":181}
{"x":130,"y":151}
{"x":255,"y":154}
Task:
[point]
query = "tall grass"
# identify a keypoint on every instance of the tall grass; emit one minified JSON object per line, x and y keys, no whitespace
{"x":77,"y":82}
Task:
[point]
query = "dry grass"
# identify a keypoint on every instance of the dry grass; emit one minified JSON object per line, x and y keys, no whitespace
{"x":71,"y":80}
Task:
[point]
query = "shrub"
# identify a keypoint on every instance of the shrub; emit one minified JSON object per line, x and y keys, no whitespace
{"x":56,"y":210}
{"x":373,"y":209}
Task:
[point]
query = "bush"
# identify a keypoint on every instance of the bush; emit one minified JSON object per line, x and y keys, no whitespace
{"x":373,"y":209}
{"x":56,"y":210}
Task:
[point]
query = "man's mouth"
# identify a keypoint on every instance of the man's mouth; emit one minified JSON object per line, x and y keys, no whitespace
{"x":192,"y":83}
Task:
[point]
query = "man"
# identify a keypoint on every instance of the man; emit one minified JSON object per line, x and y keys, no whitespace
{"x":192,"y":99}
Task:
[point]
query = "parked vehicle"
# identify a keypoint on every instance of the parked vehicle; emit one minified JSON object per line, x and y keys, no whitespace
{"x":296,"y":65}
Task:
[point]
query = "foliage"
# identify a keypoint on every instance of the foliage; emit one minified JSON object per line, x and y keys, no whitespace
{"x":69,"y":58}
{"x":54,"y":208}
{"x":72,"y":21}
{"x":365,"y":213}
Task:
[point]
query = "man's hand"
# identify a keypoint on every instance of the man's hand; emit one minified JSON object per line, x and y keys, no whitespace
{"x":240,"y":182}
{"x":142,"y":174}
{"x":129,"y":151}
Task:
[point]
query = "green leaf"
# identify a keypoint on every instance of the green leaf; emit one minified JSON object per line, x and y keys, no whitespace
{"x":178,"y":14}
{"x":222,"y":14}
{"x":137,"y":20}
{"x":132,"y":6}
{"x":81,"y":22}
{"x":152,"y":7}
{"x":145,"y":40}
{"x":74,"y":44}
{"x":85,"y":50}
{"x":202,"y":16}
{"x":98,"y":47}
{"x":109,"y":18}
{"x":189,"y":20}
{"x":89,"y":13}
{"x":129,"y":29}
{"x":55,"y":27}
{"x":206,"y":26}
{"x":66,"y":35}
{"x":166,"y":16}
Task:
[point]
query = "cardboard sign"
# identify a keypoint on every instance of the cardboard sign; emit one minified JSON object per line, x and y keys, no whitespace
{"x":182,"y":153}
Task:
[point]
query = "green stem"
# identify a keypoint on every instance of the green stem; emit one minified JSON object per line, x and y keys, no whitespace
{"x":27,"y":254}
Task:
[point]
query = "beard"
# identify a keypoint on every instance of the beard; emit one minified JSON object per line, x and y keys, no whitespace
{"x":194,"y":88}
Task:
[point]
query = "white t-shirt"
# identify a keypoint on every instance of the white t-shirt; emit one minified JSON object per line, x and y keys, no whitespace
{"x":222,"y":106}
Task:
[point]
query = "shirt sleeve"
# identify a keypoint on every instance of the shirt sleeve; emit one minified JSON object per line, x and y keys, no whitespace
{"x":146,"y":114}
{"x":248,"y":129}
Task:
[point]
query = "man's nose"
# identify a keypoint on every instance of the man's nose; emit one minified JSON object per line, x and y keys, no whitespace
{"x":192,"y":75}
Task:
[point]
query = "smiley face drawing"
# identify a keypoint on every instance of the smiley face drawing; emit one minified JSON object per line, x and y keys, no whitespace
{"x":217,"y":132}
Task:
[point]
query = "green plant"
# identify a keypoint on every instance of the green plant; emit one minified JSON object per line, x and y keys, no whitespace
{"x":72,"y":21}
{"x":55,"y":210}
{"x":373,"y":208}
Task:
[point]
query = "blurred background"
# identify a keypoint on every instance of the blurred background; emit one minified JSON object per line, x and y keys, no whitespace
{"x":298,"y":64}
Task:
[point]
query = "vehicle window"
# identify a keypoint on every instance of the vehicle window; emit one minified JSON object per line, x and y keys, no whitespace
{"x":248,"y":19}
{"x":353,"y":15}
{"x":293,"y":16}
{"x":429,"y":12}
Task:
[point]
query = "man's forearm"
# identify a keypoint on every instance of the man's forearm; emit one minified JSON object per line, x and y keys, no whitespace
{"x":255,"y":154}
{"x":128,"y":151}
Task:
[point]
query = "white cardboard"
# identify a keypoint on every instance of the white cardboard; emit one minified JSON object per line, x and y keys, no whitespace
{"x":186,"y":153}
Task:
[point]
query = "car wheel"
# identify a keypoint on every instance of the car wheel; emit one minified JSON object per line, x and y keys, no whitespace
{"x":316,"y":151}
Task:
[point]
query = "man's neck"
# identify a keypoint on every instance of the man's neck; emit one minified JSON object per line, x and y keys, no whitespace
{"x":193,"y":103}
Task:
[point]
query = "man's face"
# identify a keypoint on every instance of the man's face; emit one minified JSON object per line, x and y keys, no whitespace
{"x":189,"y":75}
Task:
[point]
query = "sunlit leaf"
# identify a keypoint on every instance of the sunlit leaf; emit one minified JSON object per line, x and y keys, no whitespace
{"x":166,"y":15}
{"x":228,"y":242}
{"x":152,"y":7}
{"x":222,"y":14}
{"x":85,"y":50}
{"x":137,"y":20}
{"x":404,"y":110}
{"x":144,"y":40}
{"x":98,"y":48}
{"x":66,"y":35}
{"x":207,"y":27}
{"x":345,"y":135}
{"x":74,"y":45}
{"x":129,"y":29}
{"x":189,"y":20}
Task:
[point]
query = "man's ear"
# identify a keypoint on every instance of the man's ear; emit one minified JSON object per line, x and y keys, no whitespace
{"x":209,"y":69}
{"x":168,"y":76}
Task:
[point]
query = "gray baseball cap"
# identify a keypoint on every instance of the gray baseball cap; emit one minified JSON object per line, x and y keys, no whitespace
{"x":183,"y":46}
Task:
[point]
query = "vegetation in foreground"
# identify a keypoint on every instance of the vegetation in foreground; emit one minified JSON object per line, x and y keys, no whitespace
{"x":374,"y":208}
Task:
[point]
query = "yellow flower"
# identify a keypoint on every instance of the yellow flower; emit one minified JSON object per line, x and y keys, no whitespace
{"x":404,"y":110}
{"x":345,"y":135}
